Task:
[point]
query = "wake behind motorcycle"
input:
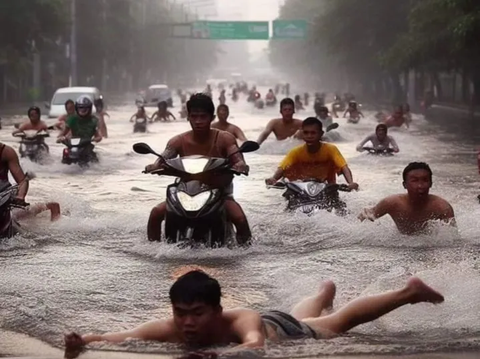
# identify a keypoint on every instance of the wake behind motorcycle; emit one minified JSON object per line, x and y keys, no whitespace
{"x":310,"y":196}
{"x":32,"y":145}
{"x":379,"y":151}
{"x":196,"y":212}
{"x":79,"y":151}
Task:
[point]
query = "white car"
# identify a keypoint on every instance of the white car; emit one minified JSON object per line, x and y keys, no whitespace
{"x":57,"y":105}
{"x":156,"y":94}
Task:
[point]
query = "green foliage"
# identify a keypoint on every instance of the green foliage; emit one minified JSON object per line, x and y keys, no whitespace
{"x":132,"y":36}
{"x":371,"y":37}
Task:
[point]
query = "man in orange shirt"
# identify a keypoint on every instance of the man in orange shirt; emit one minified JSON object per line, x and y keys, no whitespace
{"x":313,"y":160}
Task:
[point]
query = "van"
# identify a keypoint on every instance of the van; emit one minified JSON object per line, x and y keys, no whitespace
{"x":57,"y":105}
{"x":158,"y":93}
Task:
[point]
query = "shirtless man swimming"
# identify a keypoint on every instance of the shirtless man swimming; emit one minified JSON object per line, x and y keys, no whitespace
{"x":284,"y":127}
{"x":412,"y":212}
{"x":222,"y":124}
{"x":199,"y":320}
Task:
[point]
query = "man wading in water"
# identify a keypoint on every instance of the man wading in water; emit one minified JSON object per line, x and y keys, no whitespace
{"x":200,"y":321}
{"x":413,"y":211}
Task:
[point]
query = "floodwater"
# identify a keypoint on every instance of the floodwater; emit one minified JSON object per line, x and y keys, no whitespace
{"x":94,"y":270}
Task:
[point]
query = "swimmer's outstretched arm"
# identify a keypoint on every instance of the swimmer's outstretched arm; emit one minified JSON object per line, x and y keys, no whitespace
{"x":159,"y":330}
{"x":268,"y":130}
{"x":381,"y":209}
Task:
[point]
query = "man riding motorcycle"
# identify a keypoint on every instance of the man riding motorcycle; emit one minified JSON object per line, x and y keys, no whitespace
{"x":70,"y":109}
{"x":353,"y":111}
{"x":314,"y":160}
{"x":83,"y":124}
{"x":270,"y":98}
{"x":380,"y":140}
{"x":205,"y":141}
{"x":323,"y":114}
{"x":35,"y":124}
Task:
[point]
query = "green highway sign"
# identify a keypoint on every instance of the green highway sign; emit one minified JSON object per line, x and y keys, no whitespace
{"x":231,"y":30}
{"x":289,"y":29}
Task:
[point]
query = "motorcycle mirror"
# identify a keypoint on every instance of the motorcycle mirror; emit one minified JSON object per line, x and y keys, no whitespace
{"x":249,"y":146}
{"x":333,"y":126}
{"x":144,"y":149}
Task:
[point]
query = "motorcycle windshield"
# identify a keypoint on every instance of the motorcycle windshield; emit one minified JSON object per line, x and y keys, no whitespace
{"x":75,"y":141}
{"x":194,"y":165}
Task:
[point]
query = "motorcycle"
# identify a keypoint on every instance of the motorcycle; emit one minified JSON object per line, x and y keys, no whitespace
{"x":379,"y":151}
{"x":310,"y":196}
{"x":338,"y":106}
{"x":195,"y":212}
{"x":79,"y":151}
{"x":32,"y":145}
{"x":8,"y":225}
{"x":270,"y":101}
{"x":140,"y":125}
{"x":259,"y":104}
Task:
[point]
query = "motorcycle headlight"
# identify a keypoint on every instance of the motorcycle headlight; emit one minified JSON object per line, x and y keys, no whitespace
{"x":193,"y":203}
{"x":315,"y":188}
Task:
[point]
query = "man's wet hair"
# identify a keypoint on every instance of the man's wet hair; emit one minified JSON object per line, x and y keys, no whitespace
{"x":312,"y":121}
{"x":36,"y":109}
{"x":287,"y":101}
{"x":224,"y":106}
{"x":196,"y":287}
{"x":381,"y":126}
{"x":416,"y":166}
{"x":68,"y":102}
{"x":201,"y":101}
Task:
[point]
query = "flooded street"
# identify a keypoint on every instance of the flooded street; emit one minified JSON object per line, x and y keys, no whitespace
{"x":94,"y":270}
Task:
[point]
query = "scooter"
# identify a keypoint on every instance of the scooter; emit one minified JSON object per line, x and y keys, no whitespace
{"x":310,"y":196}
{"x":32,"y":145}
{"x":140,"y":125}
{"x":196,"y":213}
{"x":79,"y":151}
{"x":379,"y":151}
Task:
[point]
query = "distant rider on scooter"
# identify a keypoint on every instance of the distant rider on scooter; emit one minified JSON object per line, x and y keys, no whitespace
{"x":82,"y":124}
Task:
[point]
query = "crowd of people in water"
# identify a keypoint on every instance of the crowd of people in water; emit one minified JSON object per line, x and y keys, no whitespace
{"x":198,"y":317}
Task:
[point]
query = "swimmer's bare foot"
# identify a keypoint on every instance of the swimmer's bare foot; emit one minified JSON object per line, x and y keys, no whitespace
{"x":422,"y":292}
{"x":327,"y":295}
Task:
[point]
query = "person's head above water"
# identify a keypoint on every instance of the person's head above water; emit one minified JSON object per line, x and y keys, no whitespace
{"x":34,"y":114}
{"x":381,"y":131}
{"x":287,"y":108}
{"x":417,"y":179}
{"x":312,"y":129}
{"x":201,"y":112}
{"x":195,"y":299}
{"x":222,"y":112}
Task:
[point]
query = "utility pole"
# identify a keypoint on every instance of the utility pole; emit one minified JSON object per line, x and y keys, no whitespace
{"x":73,"y":45}
{"x":105,"y":63}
